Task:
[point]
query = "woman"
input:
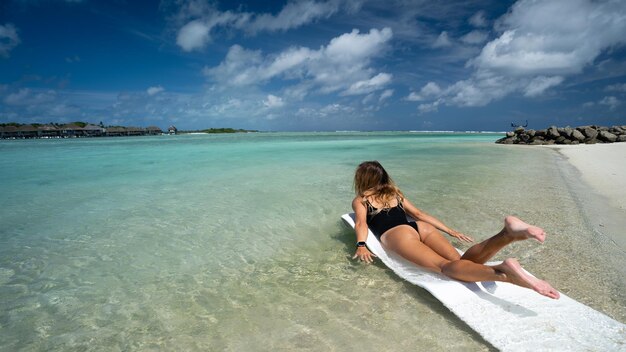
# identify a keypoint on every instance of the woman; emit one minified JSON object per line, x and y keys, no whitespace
{"x":381,"y":206}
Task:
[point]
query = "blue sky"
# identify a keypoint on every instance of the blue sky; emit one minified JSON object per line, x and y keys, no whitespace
{"x":314,"y":65}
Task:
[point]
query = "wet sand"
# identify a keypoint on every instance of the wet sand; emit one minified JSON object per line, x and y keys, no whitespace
{"x":601,"y":186}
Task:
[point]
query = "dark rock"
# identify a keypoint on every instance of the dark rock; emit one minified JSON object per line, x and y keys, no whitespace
{"x":567,"y":131}
{"x":577,"y":136}
{"x":590,"y":133}
{"x":553,"y":132}
{"x":566,"y":135}
{"x":607,"y":136}
{"x":506,"y":140}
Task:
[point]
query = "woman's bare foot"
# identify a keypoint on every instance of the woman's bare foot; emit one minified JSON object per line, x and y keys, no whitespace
{"x":520,"y":230}
{"x":516,"y":275}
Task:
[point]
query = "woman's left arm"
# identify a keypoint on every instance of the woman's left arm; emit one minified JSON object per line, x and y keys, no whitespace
{"x":418,"y":214}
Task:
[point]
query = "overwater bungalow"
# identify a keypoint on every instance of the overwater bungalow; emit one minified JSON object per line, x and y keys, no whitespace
{"x":91,"y":130}
{"x":172,"y":130}
{"x":8,"y":132}
{"x":27,"y":131}
{"x":153,"y":130}
{"x":48,"y":131}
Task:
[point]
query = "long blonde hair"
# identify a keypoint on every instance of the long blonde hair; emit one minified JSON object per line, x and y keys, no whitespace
{"x":372,"y":181}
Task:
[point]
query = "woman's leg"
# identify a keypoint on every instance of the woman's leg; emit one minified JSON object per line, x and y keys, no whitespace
{"x":514,"y":230}
{"x":403,"y":241}
{"x":434,"y":239}
{"x":508,"y":271}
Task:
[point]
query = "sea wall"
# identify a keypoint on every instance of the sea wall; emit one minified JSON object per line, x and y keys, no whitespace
{"x":565,"y":135}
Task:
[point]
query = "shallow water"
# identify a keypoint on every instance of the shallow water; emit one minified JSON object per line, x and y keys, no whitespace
{"x":233,"y":242}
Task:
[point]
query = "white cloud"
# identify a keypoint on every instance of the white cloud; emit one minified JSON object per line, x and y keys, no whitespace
{"x":540,"y":84}
{"x":475,"y":37}
{"x":442,"y":41}
{"x":293,"y":15}
{"x":367,"y":86}
{"x":533,"y":42}
{"x":535,"y":52}
{"x":341,"y":65}
{"x":610,"y":101}
{"x":386,"y":94}
{"x":336,"y":110}
{"x":273,"y":101}
{"x":430,"y":90}
{"x":429,"y":107}
{"x":8,"y":39}
{"x":588,"y":104}
{"x":193,"y":35}
{"x":27,"y":97}
{"x":478,"y":19}
{"x":155,"y":90}
{"x":197,"y":19}
{"x":616,"y":87}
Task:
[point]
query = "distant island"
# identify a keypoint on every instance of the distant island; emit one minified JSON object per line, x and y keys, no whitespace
{"x":14,"y":130}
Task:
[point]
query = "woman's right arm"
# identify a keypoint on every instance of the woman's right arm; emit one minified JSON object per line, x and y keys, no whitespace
{"x":361,"y":230}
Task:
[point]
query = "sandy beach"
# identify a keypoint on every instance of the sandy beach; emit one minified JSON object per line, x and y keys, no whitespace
{"x":599,"y":182}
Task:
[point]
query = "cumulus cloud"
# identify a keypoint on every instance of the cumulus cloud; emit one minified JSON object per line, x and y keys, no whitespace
{"x":475,"y":37}
{"x":198,"y":19}
{"x":532,"y":42}
{"x":386,"y":94}
{"x":442,"y":41}
{"x":155,"y":90}
{"x":534,"y":52}
{"x":478,"y":19}
{"x":616,"y":88}
{"x":293,"y":15}
{"x":273,"y":101}
{"x":341,"y":65}
{"x":430,"y":90}
{"x":610,"y":101}
{"x":193,"y":35}
{"x":369,"y":85}
{"x":540,"y":84}
{"x":326,"y":111}
{"x":28,"y":97}
{"x":9,"y":39}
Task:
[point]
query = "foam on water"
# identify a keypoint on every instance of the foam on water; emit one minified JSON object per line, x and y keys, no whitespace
{"x":233,"y":242}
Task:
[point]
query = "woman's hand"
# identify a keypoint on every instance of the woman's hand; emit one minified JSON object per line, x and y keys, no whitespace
{"x":364,"y":254}
{"x":460,"y":236}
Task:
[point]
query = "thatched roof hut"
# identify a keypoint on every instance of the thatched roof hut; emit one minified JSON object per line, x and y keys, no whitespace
{"x":153,"y":130}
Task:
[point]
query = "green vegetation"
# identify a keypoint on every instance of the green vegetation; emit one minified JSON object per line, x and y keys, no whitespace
{"x":225,"y":130}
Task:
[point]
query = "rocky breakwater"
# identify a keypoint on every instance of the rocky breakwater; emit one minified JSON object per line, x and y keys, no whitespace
{"x":565,"y":135}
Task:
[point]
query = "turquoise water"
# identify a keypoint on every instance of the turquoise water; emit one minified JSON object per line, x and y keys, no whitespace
{"x":233,"y":242}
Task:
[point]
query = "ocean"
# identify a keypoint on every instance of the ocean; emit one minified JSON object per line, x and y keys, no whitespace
{"x":234,"y":242}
